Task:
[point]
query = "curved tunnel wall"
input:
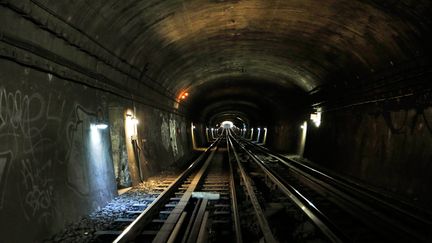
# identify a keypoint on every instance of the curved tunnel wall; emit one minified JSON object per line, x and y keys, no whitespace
{"x":55,"y":165}
{"x":51,"y":157}
{"x":365,"y":64}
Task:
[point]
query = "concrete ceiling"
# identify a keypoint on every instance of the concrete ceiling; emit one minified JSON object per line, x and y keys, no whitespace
{"x":290,"y":45}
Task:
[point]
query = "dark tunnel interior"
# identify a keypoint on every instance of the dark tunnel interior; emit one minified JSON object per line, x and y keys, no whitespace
{"x":343,"y":84}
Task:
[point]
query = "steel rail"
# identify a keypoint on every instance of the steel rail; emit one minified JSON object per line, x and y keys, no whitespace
{"x":167,"y":228}
{"x":417,"y":225}
{"x":236,"y":216}
{"x":262,"y":221}
{"x":136,"y":227}
{"x":314,"y":214}
{"x":351,"y":185}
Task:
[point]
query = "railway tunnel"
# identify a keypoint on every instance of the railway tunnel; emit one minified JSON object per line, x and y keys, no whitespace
{"x":98,"y":96}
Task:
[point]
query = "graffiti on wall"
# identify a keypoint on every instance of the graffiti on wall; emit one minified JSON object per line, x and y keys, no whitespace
{"x":22,"y":140}
{"x":169,"y":135}
{"x":39,"y":189}
{"x":38,"y":135}
{"x":173,"y":136}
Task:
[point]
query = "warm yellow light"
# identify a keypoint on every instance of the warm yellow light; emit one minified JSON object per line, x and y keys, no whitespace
{"x":183,"y":95}
{"x":134,"y":121}
{"x":316,"y":118}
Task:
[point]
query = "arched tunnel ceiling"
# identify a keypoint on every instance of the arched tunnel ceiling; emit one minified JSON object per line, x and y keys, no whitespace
{"x":294,"y":44}
{"x":257,"y":100}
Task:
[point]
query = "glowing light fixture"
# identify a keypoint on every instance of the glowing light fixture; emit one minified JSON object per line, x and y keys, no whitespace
{"x":101,"y":126}
{"x":134,"y":121}
{"x":303,"y":138}
{"x":132,"y":118}
{"x":100,"y":121}
{"x":184,"y":95}
{"x":316,"y":118}
{"x":131,"y":123}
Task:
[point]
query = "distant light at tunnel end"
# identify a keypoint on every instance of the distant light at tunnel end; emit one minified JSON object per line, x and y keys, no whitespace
{"x":227,"y":124}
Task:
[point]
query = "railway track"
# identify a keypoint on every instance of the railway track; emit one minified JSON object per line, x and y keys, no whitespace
{"x":194,"y":207}
{"x":343,"y":211}
{"x":268,"y":214}
{"x":237,"y":191}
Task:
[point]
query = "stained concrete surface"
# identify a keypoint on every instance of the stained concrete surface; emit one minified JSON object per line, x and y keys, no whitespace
{"x":250,"y":59}
{"x":387,"y":148}
{"x":55,"y":166}
{"x":118,"y":146}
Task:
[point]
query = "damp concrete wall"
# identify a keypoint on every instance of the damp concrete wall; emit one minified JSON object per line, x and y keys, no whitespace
{"x":54,"y":164}
{"x":141,"y":150}
{"x":284,"y":135}
{"x":385,"y":147}
{"x":164,"y":139}
{"x":118,"y":146}
{"x":55,"y":85}
{"x":284,"y":132}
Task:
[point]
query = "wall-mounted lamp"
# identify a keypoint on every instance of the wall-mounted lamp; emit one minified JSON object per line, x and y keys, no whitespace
{"x":100,"y":123}
{"x":184,"y":95}
{"x":132,"y":119}
{"x":316,"y":117}
{"x":131,"y":123}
